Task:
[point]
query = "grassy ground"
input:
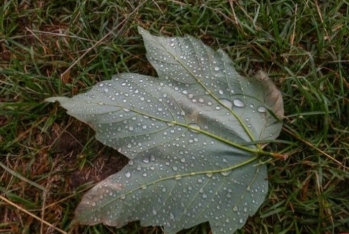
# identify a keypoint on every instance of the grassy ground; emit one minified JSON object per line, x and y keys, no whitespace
{"x":47,"y":48}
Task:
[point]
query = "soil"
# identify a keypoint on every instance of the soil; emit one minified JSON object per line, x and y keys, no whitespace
{"x":69,"y":145}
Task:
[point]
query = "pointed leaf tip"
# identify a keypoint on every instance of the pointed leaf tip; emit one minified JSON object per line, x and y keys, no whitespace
{"x":272,"y":94}
{"x":50,"y":99}
{"x":56,"y":99}
{"x":141,"y":30}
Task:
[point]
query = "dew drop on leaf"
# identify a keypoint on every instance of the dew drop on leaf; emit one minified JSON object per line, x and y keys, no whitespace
{"x":146,"y":160}
{"x":261,"y":109}
{"x":225,"y":173}
{"x":194,"y":127}
{"x":226,"y":103}
{"x":238,"y":103}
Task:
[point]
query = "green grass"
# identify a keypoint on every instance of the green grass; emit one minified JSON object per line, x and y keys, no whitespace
{"x":47,"y":48}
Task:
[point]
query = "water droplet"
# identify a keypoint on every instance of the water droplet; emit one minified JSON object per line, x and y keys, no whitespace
{"x":216,"y":68}
{"x":194,"y":127}
{"x":201,"y":100}
{"x":146,"y":160}
{"x":261,"y":109}
{"x":154,"y":212}
{"x":241,"y":220}
{"x":204,"y":196}
{"x":220,"y":92}
{"x":225,"y":173}
{"x":238,"y":103}
{"x":128,"y":174}
{"x":175,"y":168}
{"x":226,"y":103}
{"x":209,"y":175}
